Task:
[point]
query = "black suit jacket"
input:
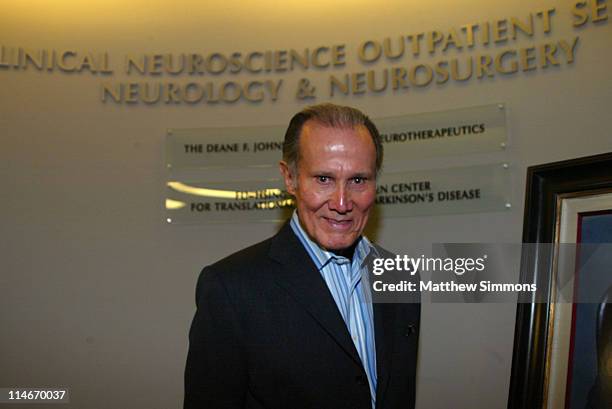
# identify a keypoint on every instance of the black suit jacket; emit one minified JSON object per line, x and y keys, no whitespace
{"x":267,"y":334}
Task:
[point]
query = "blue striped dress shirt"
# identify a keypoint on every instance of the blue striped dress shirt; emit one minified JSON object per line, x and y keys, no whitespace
{"x":343,"y":278}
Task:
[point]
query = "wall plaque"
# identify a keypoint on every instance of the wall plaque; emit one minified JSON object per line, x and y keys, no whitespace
{"x":469,"y":189}
{"x":454,"y":132}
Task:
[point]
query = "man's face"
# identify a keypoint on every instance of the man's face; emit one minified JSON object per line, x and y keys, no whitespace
{"x":335,"y":185}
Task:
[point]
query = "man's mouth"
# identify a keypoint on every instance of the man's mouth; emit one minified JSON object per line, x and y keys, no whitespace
{"x":341,"y":224}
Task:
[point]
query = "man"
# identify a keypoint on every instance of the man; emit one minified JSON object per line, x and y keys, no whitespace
{"x":286,"y":323}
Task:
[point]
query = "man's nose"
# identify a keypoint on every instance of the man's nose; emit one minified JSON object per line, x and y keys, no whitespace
{"x":340,"y":200}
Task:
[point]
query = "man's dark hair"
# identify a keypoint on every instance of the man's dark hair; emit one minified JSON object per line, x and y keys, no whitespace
{"x":332,"y":116}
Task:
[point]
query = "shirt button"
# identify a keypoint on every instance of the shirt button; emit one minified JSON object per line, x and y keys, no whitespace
{"x":409,"y":330}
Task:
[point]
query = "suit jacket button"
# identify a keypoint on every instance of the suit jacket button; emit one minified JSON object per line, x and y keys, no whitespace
{"x":409,"y":330}
{"x":361,"y":380}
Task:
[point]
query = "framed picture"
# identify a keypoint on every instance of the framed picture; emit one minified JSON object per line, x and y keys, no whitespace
{"x":562,"y":350}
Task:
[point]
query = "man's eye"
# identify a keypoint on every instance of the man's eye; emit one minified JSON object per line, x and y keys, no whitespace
{"x":359,"y":180}
{"x":323,"y":179}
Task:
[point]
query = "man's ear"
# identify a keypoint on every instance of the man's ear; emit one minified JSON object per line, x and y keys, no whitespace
{"x":288,"y":176}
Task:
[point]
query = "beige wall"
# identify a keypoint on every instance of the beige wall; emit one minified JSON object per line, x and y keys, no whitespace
{"x":96,"y":290}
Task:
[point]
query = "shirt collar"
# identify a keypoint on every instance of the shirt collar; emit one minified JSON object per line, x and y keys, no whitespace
{"x":322,"y":257}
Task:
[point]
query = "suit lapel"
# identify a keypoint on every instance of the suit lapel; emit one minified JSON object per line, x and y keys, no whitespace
{"x":300,"y":278}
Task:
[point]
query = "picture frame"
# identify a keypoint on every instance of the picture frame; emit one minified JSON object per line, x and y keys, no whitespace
{"x":556,"y":193}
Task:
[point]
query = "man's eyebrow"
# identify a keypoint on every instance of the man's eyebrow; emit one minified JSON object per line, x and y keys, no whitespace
{"x":331,"y":173}
{"x":363,"y":175}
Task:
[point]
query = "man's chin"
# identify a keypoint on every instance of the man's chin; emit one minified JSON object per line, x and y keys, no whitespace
{"x":340,"y":245}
